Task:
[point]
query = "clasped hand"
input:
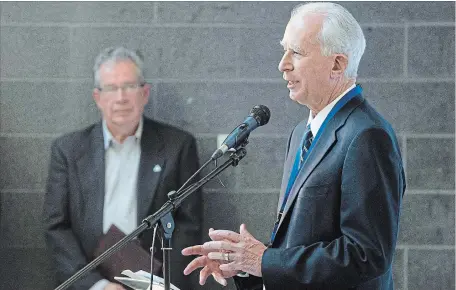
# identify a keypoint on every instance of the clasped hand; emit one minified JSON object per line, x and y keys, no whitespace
{"x":226,"y":255}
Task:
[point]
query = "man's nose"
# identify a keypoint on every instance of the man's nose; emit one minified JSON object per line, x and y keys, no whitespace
{"x":121,"y":95}
{"x":285,"y":63}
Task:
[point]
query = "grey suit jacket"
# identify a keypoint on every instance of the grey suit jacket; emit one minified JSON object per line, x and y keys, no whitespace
{"x":73,"y":207}
{"x":340,"y":223}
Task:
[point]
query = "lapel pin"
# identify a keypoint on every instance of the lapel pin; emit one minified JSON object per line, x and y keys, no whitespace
{"x":157,"y":168}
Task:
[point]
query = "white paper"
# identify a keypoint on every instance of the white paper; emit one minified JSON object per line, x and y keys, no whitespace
{"x":141,"y":281}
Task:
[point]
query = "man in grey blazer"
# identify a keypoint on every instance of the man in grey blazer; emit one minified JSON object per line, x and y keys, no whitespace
{"x":343,"y":180}
{"x":117,"y":172}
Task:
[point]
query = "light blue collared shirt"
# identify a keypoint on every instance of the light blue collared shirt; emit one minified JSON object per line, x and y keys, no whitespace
{"x":121,"y":175}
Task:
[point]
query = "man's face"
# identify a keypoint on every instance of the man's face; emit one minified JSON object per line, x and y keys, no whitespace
{"x":121,"y":98}
{"x":304,"y":67}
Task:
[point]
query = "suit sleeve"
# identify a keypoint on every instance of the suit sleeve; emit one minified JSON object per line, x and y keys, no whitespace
{"x":188,"y":218}
{"x":371,"y":193}
{"x":65,"y":251}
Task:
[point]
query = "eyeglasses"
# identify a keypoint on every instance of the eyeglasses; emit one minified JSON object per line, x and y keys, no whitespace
{"x":126,"y":88}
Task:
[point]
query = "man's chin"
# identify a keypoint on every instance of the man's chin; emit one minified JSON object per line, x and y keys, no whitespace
{"x":122,"y":120}
{"x":293,"y":97}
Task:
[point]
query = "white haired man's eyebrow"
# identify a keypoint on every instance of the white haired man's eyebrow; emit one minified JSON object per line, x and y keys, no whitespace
{"x":293,"y":47}
{"x":296,"y":48}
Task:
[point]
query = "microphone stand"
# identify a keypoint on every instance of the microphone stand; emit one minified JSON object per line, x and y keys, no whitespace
{"x":168,"y":225}
{"x":175,"y":200}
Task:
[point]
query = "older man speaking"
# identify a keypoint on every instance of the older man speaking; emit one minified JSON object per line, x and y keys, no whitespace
{"x":343,"y":179}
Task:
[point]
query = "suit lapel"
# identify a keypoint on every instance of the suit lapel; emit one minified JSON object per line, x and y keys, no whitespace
{"x":293,"y":148}
{"x":90,"y":168}
{"x":321,"y":148}
{"x":323,"y":145}
{"x":151,"y":167}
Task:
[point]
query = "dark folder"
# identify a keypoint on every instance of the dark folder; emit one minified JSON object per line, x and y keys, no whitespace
{"x":131,"y":257}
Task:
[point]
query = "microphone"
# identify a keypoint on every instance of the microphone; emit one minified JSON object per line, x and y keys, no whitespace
{"x":259,"y":116}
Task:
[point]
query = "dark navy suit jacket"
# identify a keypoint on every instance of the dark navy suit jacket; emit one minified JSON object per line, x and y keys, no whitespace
{"x":340,"y":224}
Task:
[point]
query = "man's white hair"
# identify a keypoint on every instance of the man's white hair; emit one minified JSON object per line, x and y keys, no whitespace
{"x":116,"y":54}
{"x":340,"y":32}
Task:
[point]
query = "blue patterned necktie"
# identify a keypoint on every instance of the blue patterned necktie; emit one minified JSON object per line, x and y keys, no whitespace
{"x":308,"y":138}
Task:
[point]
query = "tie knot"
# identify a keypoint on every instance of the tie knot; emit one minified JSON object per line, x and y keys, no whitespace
{"x":308,"y":133}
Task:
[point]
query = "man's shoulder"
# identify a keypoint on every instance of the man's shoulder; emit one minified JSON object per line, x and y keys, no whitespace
{"x":168,"y":132}
{"x":76,"y":140}
{"x":365,"y":118}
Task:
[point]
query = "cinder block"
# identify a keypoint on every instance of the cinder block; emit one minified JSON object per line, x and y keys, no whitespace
{"x":38,"y":273}
{"x":430,"y":163}
{"x":431,"y":52}
{"x":88,"y":42}
{"x":34,"y":52}
{"x":21,"y":220}
{"x":431,"y":269}
{"x":197,"y":12}
{"x":400,"y":12}
{"x":398,"y":270}
{"x":414,"y":107}
{"x":265,"y":13}
{"x":24,"y":162}
{"x":263,"y":165}
{"x":384,"y":53}
{"x":77,"y":12}
{"x":427,"y":220}
{"x":229,"y":210}
{"x":260,"y":52}
{"x":192,"y":53}
{"x":220,"y":107}
{"x":46,"y":107}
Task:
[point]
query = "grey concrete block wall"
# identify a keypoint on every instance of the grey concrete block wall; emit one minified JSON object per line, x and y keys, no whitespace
{"x":209,"y":63}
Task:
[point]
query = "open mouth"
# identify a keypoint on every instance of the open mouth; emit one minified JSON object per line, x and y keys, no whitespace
{"x":291,"y":84}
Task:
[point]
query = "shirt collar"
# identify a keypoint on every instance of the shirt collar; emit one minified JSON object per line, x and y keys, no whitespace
{"x":107,"y":136}
{"x":315,"y":123}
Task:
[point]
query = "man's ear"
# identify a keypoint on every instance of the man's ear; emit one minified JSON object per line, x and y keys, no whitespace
{"x":96,"y":96}
{"x":146,"y":92}
{"x":340,"y":65}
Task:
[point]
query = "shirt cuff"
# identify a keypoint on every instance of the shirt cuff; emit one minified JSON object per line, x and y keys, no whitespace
{"x":100,"y":285}
{"x":243,"y":275}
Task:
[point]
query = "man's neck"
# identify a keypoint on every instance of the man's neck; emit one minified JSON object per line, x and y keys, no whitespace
{"x":334,"y":94}
{"x":120,"y":133}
